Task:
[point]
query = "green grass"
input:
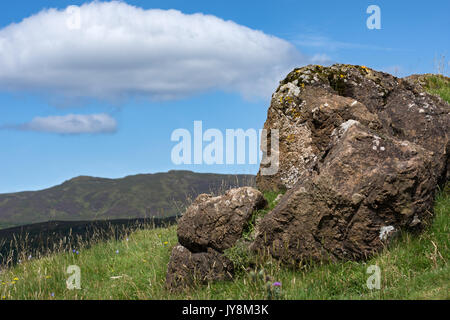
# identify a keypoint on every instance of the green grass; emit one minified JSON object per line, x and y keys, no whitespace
{"x":414,"y":267}
{"x":434,"y":83}
{"x":438,"y":85}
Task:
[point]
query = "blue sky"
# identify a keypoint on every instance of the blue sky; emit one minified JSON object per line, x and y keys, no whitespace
{"x":128,"y":89}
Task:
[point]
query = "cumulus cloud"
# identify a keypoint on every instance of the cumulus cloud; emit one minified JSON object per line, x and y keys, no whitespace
{"x":70,"y":124}
{"x":112,"y":49}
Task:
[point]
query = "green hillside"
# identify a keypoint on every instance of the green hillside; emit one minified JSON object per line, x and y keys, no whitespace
{"x":134,"y":267}
{"x":89,"y":198}
{"x":435,"y":84}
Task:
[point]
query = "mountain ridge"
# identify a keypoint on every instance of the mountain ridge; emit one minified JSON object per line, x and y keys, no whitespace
{"x":159,"y":194}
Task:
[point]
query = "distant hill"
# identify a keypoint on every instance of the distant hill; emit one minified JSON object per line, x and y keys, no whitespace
{"x":89,"y":198}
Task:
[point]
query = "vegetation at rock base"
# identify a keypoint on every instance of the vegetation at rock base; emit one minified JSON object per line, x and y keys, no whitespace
{"x":271,"y":197}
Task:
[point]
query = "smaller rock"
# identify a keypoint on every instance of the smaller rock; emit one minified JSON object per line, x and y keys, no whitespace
{"x":186,"y":268}
{"x":218,"y":221}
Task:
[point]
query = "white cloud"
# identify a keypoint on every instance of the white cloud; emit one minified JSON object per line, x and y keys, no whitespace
{"x":121,"y":50}
{"x":71,"y":124}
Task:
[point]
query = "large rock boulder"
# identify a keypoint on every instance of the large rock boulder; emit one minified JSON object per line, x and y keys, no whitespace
{"x":313,"y":101}
{"x":218,"y":221}
{"x":210,"y":225}
{"x":186,"y":269}
{"x":361,"y":154}
{"x":368,"y":187}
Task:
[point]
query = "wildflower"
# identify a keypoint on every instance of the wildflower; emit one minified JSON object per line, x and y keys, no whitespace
{"x":166,"y":243}
{"x":29,"y":257}
{"x":127,"y":239}
{"x":341,"y":76}
{"x":52,"y":294}
{"x":274,"y":290}
{"x":117,"y":251}
{"x":48,"y":277}
{"x":16,"y":279}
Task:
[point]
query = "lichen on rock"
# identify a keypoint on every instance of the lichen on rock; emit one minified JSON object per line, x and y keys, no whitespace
{"x":313,"y":101}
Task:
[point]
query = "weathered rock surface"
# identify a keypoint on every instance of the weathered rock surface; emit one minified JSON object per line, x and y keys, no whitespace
{"x":313,"y":101}
{"x":210,"y":225}
{"x":218,"y":221}
{"x":186,"y":268}
{"x":367,"y":188}
{"x":361,"y":153}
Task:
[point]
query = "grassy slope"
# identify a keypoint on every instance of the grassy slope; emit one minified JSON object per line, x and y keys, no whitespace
{"x":414,"y":267}
{"x":435,"y":84}
{"x":439,"y":86}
